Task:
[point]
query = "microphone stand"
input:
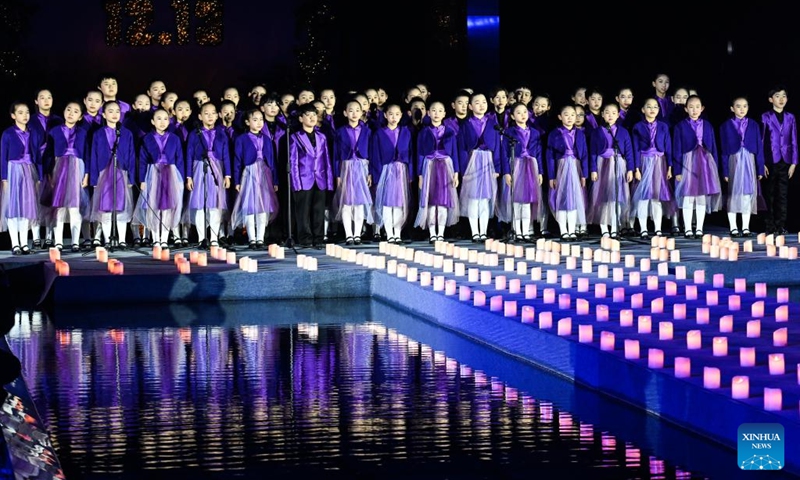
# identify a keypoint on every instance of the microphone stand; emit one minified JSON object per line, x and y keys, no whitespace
{"x":289,"y":242}
{"x":512,"y":143}
{"x":113,"y":235}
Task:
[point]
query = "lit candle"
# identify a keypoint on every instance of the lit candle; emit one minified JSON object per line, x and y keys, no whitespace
{"x":601,"y":313}
{"x":425,"y":278}
{"x":253,"y":265}
{"x":663,"y":257}
{"x":644,"y":265}
{"x":670,"y":288}
{"x":473,"y":275}
{"x":680,"y":272}
{"x":748,"y":246}
{"x":626,"y":318}
{"x":582,"y":306}
{"x":586,"y":266}
{"x":734,"y":303}
{"x":702,"y":316}
{"x":780,"y":337}
{"x":55,"y":254}
{"x":522,"y":268}
{"x":102,"y":255}
{"x":402,"y":270}
{"x":530,"y":291}
{"x":631,"y":349}
{"x":740,"y":387}
{"x":675,"y":257}
{"x":157,"y":252}
{"x":718,"y":280}
{"x":694,"y":339}
{"x":464,"y":293}
{"x":165,"y":254}
{"x":726,"y":324}
{"x":771,"y":251}
{"x":747,"y":357}
{"x":652,"y":282}
{"x":657,"y":305}
{"x":740,"y":285}
{"x":545,"y":320}
{"x":514,"y":285}
{"x":500,"y":282}
{"x":761,"y":290}
{"x":600,"y":290}
{"x":565,"y":327}
{"x":62,"y":268}
{"x":508,"y":265}
{"x":496,"y":303}
{"x":479,"y":298}
{"x":644,"y":324}
{"x":753,"y":328}
{"x":572,"y":263}
{"x":711,"y":378}
{"x":665,"y":330}
{"x":712,"y":298}
{"x":552,"y":277}
{"x":412,"y":274}
{"x":602,"y":271}
{"x":583,"y":284}
{"x":607,"y":341}
{"x":438,"y":283}
{"x":637,"y":300}
{"x":690,"y":292}
{"x":655,"y":358}
{"x":634,"y":278}
{"x":564,"y":301}
{"x":585,"y":334}
{"x":683,"y":367}
{"x":536,"y":273}
{"x":486,"y":277}
{"x":184,"y":267}
{"x":783,"y":295}
{"x":757,"y":309}
{"x":679,"y":311}
{"x":566,"y":280}
{"x":776,"y":364}
{"x":447,"y":266}
{"x":630,"y":261}
{"x":202,"y":259}
{"x":618,"y":294}
{"x":719,"y":346}
{"x":663,"y":268}
{"x":300,"y":260}
{"x":699,"y":276}
{"x":528,"y":314}
{"x":773,"y":400}
{"x":510,"y":308}
{"x":782,"y":313}
{"x":549,"y":295}
{"x":119,"y":268}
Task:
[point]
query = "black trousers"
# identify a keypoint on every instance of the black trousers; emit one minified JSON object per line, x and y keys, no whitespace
{"x":309,"y":215}
{"x":776,"y":193}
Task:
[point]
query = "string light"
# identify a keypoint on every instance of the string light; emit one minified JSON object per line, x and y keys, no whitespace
{"x":113,"y":9}
{"x":141,"y":14}
{"x":211,"y":32}
{"x":181,"y":8}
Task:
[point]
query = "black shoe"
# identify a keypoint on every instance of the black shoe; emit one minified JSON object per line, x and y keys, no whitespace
{"x":688,"y":234}
{"x":76,"y":248}
{"x":137,"y":242}
{"x":736,"y":233}
{"x":146,"y":242}
{"x":123,"y":246}
{"x":253,"y":245}
{"x":36,"y":244}
{"x":48,"y":243}
{"x":203,"y":244}
{"x":260,"y":245}
{"x":747,"y":233}
{"x":432,"y":240}
{"x":349,"y":241}
{"x":357,"y":240}
{"x":16,"y":251}
{"x":476,"y":238}
{"x":26,"y":250}
{"x":59,"y":246}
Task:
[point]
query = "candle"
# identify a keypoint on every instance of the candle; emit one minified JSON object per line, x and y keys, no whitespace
{"x":438,"y":283}
{"x":719,"y":346}
{"x":683,"y":367}
{"x":62,"y":268}
{"x":447,"y":266}
{"x":663,"y":268}
{"x":508,"y":265}
{"x":645,"y":324}
{"x":782,"y":313}
{"x":644,"y":264}
{"x":748,"y":246}
{"x":753,"y":328}
{"x":549,"y":295}
{"x":585,"y":334}
{"x":412,"y":274}
{"x":711,"y":378}
{"x":702,"y":316}
{"x":680,"y":272}
{"x":670,"y":288}
{"x":536,"y":274}
{"x":552,"y":277}
{"x":425,"y":278}
{"x":165,"y":254}
{"x":694,"y":339}
{"x":761,"y":290}
{"x":699,"y":276}
{"x":740,"y":387}
{"x":500,"y":282}
{"x":607,"y":341}
{"x":626,"y":318}
{"x":514,"y":285}
{"x":184,"y":267}
{"x":718,"y":280}
{"x":602,"y":271}
{"x":637,"y":300}
{"x":565,"y":327}
{"x":510,"y":308}
{"x":530,"y":291}
{"x":564,"y":301}
{"x":522,"y":268}
{"x":618,"y":294}
{"x":726,"y":324}
{"x":679,"y":311}
{"x":655,"y":358}
{"x":566,"y":280}
{"x":657,"y":305}
{"x":545,"y":320}
{"x":582,"y":306}
{"x":634,"y":278}
{"x":652,"y":282}
{"x":572,"y":263}
{"x":252,"y":266}
{"x":631,"y":349}
{"x":479,"y":298}
{"x":486,"y":277}
{"x":630,"y":261}
{"x":734,"y":303}
{"x":740,"y":285}
{"x":776,"y":364}
{"x":665,"y":330}
{"x":771,"y":250}
{"x":675,"y":257}
{"x":496,"y":303}
{"x":690,"y":292}
{"x":712,"y":298}
{"x":55,"y":254}
{"x":102,"y":255}
{"x":583,"y":284}
{"x":157,"y":252}
{"x":528,"y":314}
{"x":783,"y":295}
{"x":300,"y":260}
{"x":663,"y":257}
{"x":464,"y":293}
{"x":747,"y":357}
{"x":757,"y":309}
{"x":202,"y":259}
{"x":773,"y":400}
{"x":586,"y":266}
{"x":473,"y":275}
{"x":780,"y":337}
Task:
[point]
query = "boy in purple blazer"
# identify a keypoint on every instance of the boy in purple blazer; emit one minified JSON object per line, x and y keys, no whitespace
{"x":311,"y":177}
{"x":780,"y":158}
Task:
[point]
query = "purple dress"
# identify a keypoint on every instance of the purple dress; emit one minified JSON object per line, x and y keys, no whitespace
{"x":66,"y":148}
{"x":525,"y":175}
{"x":568,"y":157}
{"x":391,"y":149}
{"x":353,"y":172}
{"x":256,"y":191}
{"x":161,"y":204}
{"x":19,"y":192}
{"x":611,"y":197}
{"x":435,"y":152}
{"x":651,"y":144}
{"x":695,"y":144}
{"x":741,"y":144}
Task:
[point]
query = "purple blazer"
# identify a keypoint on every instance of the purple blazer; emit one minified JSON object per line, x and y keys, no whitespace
{"x":428,"y":145}
{"x":57,"y":147}
{"x":343,"y":148}
{"x":197,"y":147}
{"x":557,"y":146}
{"x":245,"y":154}
{"x":150,"y":153}
{"x":101,"y":154}
{"x":309,"y":164}
{"x":533,"y":148}
{"x":469,"y":140}
{"x":730,"y":141}
{"x":600,"y":141}
{"x":782,"y":138}
{"x":11,"y":148}
{"x":641,"y":144}
{"x":684,"y":140}
{"x":383,"y":151}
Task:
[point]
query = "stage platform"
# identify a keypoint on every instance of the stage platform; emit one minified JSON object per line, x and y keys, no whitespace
{"x":522,"y":332}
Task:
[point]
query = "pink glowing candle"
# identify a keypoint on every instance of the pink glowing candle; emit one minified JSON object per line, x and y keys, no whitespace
{"x":586,"y":266}
{"x":690,"y":292}
{"x":713,"y":250}
{"x":719,"y":346}
{"x":780,"y":337}
{"x":630,"y":261}
{"x":165,"y":254}
{"x":486,"y":277}
{"x":55,"y":254}
{"x":655,"y":358}
{"x":644,"y":265}
{"x":528,"y":314}
{"x":657,"y":305}
{"x":450,"y":287}
{"x":644,"y":324}
{"x":500,"y":282}
{"x":699,"y":276}
{"x":602,"y":271}
{"x":663,"y":256}
{"x":773,"y":399}
{"x":665,"y":330}
{"x":792,"y":253}
{"x":748,"y":246}
{"x":740,"y":387}
{"x":552,"y":277}
{"x":694,"y":339}
{"x":634,"y":278}
{"x":702,"y":316}
{"x":740,"y":285}
{"x":675,"y":256}
{"x":783,"y":295}
{"x":536,"y":273}
{"x":652,"y":282}
{"x":757,"y":309}
{"x":626,"y":318}
{"x":680,"y":272}
{"x":670,"y":288}
{"x":496,"y":303}
{"x":582,"y":306}
{"x":566,"y":280}
{"x":549,"y":295}
{"x":718,"y":280}
{"x":606,"y":341}
{"x":119,"y":268}
{"x":771,"y":250}
{"x":776,"y":364}
{"x":637,"y":300}
{"x":618,"y":294}
{"x":479,"y":298}
{"x":683,"y":367}
{"x":585,"y":334}
{"x":747,"y":357}
{"x":679,"y":311}
{"x":464,"y":293}
{"x":631,"y":349}
{"x":583,"y":284}
{"x":425,"y":279}
{"x":514,"y":285}
{"x":565,"y":327}
{"x":510,"y":308}
{"x":102,"y":255}
{"x":734,"y":303}
{"x":202,"y":259}
{"x":663,"y":268}
{"x":184,"y":267}
{"x":654,"y":250}
{"x":62,"y":268}
{"x":545,"y":320}
{"x":761,"y":290}
{"x":564,"y":301}
{"x":572,"y":263}
{"x":522,"y":268}
{"x":782,"y":313}
{"x":531,"y":291}
{"x":601,"y":313}
{"x":711,"y":377}
{"x":726,"y":324}
{"x":712,"y":298}
{"x":157,"y":252}
{"x":600,"y":290}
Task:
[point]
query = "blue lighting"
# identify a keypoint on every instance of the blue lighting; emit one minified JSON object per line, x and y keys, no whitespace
{"x":475,"y":22}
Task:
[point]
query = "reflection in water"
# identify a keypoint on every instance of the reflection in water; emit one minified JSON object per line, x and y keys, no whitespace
{"x":349,"y":399}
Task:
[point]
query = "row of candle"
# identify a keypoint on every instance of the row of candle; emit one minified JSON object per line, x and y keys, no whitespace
{"x":307,"y":262}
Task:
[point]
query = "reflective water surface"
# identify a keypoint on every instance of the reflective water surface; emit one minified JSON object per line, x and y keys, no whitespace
{"x":341,"y":389}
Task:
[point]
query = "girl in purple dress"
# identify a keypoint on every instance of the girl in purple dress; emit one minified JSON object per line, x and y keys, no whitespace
{"x":391,"y":152}
{"x":20,"y":158}
{"x":525,"y":180}
{"x":65,"y":152}
{"x":742,"y":151}
{"x":436,"y":174}
{"x":567,"y":160}
{"x":161,"y":165}
{"x":694,"y":152}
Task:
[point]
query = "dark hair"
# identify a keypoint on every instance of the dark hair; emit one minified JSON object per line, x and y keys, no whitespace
{"x":776,"y":89}
{"x":105,"y":76}
{"x":223,"y":103}
{"x":154,"y":80}
{"x":16,"y":104}
{"x":271,"y":98}
{"x":94,"y":90}
{"x":306,"y":108}
{"x":76,"y":102}
{"x":249,"y":114}
{"x":109,"y":102}
{"x":159,"y":109}
{"x":206,"y":104}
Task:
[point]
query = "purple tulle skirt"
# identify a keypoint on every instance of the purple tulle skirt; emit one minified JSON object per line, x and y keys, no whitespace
{"x":20,"y":196}
{"x":744,"y":190}
{"x":654,"y":186}
{"x":206,"y":193}
{"x":256,"y":195}
{"x":610,"y":193}
{"x":161,"y":203}
{"x":103,"y":200}
{"x":569,"y":194}
{"x":353,"y":190}
{"x":437,"y":190}
{"x":64,"y":189}
{"x":526,"y":191}
{"x":392,"y":190}
{"x":700,"y":179}
{"x":479,"y":181}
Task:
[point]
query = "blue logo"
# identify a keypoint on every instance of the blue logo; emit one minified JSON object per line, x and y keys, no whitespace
{"x":760,"y":446}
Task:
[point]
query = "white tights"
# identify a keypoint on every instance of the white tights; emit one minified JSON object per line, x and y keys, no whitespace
{"x":478,"y":215}
{"x":353,"y":219}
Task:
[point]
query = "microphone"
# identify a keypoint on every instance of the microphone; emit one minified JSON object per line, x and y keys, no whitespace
{"x":118,"y":131}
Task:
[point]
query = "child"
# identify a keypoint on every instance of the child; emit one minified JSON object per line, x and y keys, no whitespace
{"x":352,"y":200}
{"x":311,"y":177}
{"x":42,"y":122}
{"x":256,"y":181}
{"x":275,"y":130}
{"x":594,"y":115}
{"x":567,"y":159}
{"x":499,"y":98}
{"x":139,"y":122}
{"x":110,"y":171}
{"x":479,"y":163}
{"x":329,"y":123}
{"x":65,"y":153}
{"x":679,"y":102}
{"x":161,"y":165}
{"x":200,"y":97}
{"x":578,"y":96}
{"x":182,"y":125}
{"x":328,"y":98}
{"x":742,"y":160}
{"x":628,"y":118}
{"x":780,"y":148}
{"x":208,"y":157}
{"x":580,"y":116}
{"x":20,"y":158}
{"x":665,"y":105}
{"x":92,"y":119}
{"x":694,"y":157}
{"x":524,"y":94}
{"x":523,"y":144}
{"x":611,"y":170}
{"x":168,"y":104}
{"x":460,"y":106}
{"x":390,"y":152}
{"x":155,"y":92}
{"x":109,"y":87}
{"x":227,"y":115}
{"x":437,"y":177}
{"x":652,"y":151}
